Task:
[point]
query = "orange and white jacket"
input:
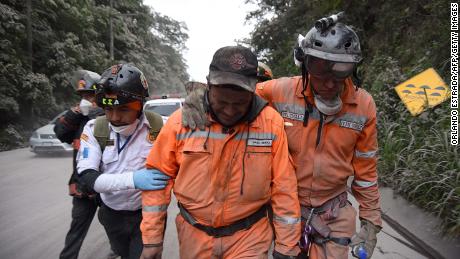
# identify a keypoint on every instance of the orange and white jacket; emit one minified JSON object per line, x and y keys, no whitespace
{"x":222,"y":175}
{"x":330,"y":149}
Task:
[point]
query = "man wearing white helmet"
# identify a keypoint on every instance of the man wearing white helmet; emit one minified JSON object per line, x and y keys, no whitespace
{"x":331,"y":127}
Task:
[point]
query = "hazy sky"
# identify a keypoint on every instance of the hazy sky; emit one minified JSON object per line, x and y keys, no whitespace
{"x":211,"y":24}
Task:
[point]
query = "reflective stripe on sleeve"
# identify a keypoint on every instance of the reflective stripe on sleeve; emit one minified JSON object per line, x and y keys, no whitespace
{"x":156,"y":208}
{"x":365,"y":154}
{"x":365,"y":184}
{"x":286,"y":220}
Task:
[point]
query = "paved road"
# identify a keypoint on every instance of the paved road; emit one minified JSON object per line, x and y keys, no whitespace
{"x":35,"y":213}
{"x":35,"y":209}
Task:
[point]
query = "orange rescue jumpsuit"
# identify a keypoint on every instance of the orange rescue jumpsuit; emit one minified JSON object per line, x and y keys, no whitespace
{"x":221,"y":176}
{"x":329,"y":150}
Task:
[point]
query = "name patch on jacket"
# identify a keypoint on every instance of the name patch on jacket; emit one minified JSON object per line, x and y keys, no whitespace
{"x":260,"y":142}
{"x":292,"y":116}
{"x":351,"y":125}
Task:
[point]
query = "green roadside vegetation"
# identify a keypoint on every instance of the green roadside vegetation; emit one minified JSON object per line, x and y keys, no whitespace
{"x":66,"y":35}
{"x":399,"y":40}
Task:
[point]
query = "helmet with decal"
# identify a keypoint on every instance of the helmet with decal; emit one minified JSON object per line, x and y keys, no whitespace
{"x":121,"y":84}
{"x":85,"y":81}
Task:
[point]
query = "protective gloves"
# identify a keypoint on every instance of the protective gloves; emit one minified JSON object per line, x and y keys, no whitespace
{"x":150,"y":179}
{"x":193,"y":111}
{"x":278,"y":255}
{"x":152,"y":251}
{"x":367,"y":237}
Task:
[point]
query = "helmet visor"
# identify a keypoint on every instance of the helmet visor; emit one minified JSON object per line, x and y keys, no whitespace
{"x":323,"y":69}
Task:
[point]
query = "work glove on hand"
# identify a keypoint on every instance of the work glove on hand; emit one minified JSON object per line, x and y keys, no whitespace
{"x":152,"y":252}
{"x":150,"y":179}
{"x":367,"y":237}
{"x":278,"y":255}
{"x":193,"y":112}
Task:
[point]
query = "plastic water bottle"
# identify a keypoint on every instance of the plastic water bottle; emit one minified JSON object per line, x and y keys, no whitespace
{"x":361,"y":252}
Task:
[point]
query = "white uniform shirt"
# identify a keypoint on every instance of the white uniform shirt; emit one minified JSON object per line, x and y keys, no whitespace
{"x":116,"y":184}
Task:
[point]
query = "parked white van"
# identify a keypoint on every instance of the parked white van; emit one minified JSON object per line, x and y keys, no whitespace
{"x":164,"y":107}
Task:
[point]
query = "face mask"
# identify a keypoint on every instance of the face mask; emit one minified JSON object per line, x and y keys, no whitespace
{"x":125,"y":130}
{"x":328,"y":107}
{"x":85,"y":106}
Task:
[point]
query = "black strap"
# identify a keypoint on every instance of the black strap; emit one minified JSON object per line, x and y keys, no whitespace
{"x":229,"y":230}
{"x":344,"y":241}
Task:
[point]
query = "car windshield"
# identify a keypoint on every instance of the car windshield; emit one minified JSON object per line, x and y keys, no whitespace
{"x":164,"y":109}
{"x":53,"y":121}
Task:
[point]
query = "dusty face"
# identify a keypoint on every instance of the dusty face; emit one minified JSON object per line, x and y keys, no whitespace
{"x":229,"y":103}
{"x":327,"y":88}
{"x":327,"y":77}
{"x":122,"y":115}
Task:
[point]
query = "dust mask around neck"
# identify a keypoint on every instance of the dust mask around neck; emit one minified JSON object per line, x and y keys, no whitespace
{"x":328,"y":107}
{"x":85,"y":106}
{"x":125,"y":130}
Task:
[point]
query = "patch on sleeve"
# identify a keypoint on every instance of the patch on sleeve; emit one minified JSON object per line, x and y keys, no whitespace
{"x":260,"y":142}
{"x":84,"y":137}
{"x":85,"y":152}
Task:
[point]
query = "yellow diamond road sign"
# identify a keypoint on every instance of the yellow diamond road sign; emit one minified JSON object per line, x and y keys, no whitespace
{"x":423,"y":91}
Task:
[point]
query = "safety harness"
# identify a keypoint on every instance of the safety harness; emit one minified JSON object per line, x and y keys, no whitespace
{"x":242,"y":224}
{"x":102,"y":130}
{"x":322,"y":232}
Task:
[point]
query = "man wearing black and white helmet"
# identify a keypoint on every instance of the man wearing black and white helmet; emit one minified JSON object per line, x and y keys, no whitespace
{"x":111,"y":158}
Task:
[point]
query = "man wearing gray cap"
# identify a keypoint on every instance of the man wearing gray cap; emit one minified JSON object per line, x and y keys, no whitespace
{"x":225,"y":175}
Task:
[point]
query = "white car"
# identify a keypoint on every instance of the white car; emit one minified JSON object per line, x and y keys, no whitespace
{"x":43,"y":140}
{"x":164,"y":107}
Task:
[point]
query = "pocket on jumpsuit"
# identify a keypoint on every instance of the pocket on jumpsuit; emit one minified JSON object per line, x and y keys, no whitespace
{"x":193,"y":180}
{"x":294,"y":135}
{"x":343,"y":226}
{"x":257,"y":174}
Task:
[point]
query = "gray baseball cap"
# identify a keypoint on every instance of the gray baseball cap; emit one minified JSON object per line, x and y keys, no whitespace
{"x":234,"y":65}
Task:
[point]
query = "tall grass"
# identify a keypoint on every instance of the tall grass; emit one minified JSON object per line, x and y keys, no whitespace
{"x":415,"y":155}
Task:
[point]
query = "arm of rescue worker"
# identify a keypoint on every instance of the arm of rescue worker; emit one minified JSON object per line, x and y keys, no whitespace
{"x":194,"y":112}
{"x":284,"y":197}
{"x":365,"y":187}
{"x":162,"y":156}
{"x":264,"y":90}
{"x":89,"y":159}
{"x":67,"y":126}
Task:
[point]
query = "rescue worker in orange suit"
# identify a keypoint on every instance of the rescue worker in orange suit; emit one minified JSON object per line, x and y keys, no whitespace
{"x":68,"y":129}
{"x":331,"y":128}
{"x":225,"y":175}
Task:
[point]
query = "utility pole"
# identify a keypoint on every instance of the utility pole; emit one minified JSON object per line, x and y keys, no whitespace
{"x":111,"y":47}
{"x":111,"y":31}
{"x":29,"y":32}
